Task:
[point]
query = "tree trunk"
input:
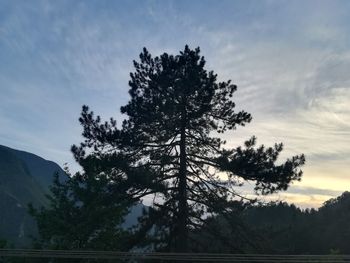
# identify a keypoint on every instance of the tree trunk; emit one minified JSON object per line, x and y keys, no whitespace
{"x":182,"y":231}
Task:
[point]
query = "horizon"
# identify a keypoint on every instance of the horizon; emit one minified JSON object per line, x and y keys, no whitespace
{"x":289,"y":60}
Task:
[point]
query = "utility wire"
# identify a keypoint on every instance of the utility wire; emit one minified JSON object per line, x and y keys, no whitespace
{"x":192,"y":257}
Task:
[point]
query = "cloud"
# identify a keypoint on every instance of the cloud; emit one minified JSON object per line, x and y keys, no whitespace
{"x":290,"y":62}
{"x":313,"y":191}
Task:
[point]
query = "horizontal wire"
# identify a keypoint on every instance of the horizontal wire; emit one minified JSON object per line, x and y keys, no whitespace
{"x":172,"y":256}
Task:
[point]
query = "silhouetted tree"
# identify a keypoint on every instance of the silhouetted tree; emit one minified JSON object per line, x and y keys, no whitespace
{"x":86,"y":210}
{"x":175,"y":115}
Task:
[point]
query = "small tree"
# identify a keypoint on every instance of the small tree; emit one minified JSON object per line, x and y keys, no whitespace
{"x":86,"y":210}
{"x":175,"y":115}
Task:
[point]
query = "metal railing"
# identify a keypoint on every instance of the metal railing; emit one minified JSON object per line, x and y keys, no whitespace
{"x":160,"y":257}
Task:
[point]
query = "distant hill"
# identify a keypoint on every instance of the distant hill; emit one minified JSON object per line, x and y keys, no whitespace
{"x":290,"y":230}
{"x":24,"y":178}
{"x":38,"y":167}
{"x":280,"y":228}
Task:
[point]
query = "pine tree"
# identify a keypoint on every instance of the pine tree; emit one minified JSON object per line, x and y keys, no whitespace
{"x":176,"y":113}
{"x":87,"y":209}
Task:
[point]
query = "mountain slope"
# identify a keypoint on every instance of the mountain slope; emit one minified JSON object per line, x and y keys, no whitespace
{"x":22,"y":181}
{"x":38,"y":167}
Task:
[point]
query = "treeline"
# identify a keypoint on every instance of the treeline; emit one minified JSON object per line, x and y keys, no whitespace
{"x":282,"y":228}
{"x":274,"y":228}
{"x":287,"y":229}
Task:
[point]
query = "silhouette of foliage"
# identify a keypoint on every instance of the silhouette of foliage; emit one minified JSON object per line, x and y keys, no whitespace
{"x":84,"y":212}
{"x":287,"y":229}
{"x":175,"y":114}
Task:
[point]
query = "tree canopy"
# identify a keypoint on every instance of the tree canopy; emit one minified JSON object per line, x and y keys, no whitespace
{"x":171,"y":141}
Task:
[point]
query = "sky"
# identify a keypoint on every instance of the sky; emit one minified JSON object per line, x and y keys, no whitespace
{"x":289,"y":59}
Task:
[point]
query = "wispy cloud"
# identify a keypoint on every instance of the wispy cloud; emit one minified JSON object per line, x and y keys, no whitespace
{"x":289,"y":60}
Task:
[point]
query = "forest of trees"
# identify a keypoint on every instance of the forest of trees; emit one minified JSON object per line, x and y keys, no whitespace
{"x":169,"y":148}
{"x":290,"y":230}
